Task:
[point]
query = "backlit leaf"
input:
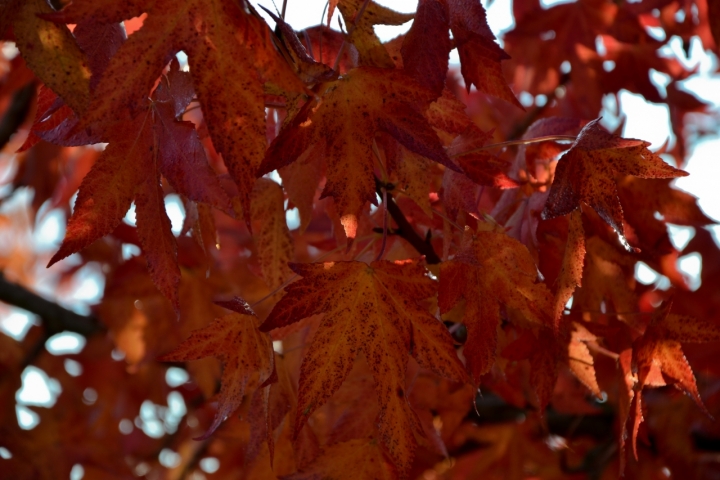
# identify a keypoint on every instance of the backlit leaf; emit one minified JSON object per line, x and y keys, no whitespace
{"x":343,"y":123}
{"x":491,"y":271}
{"x":245,"y":352}
{"x":588,"y":173}
{"x":371,"y":309}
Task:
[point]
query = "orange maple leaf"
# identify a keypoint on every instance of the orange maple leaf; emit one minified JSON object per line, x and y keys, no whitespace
{"x":659,"y":360}
{"x":129,"y":168}
{"x":357,"y":459}
{"x":371,"y":309}
{"x":361,"y":17}
{"x":343,"y":123}
{"x":491,"y":270}
{"x":642,"y":198}
{"x":222,"y":41}
{"x":245,"y":352}
{"x":547,"y":350}
{"x":273,"y":241}
{"x":574,"y":28}
{"x":588,"y":173}
{"x":608,"y":278}
{"x":427,"y":45}
{"x":480,"y":55}
{"x":52,"y":53}
{"x":571,"y":268}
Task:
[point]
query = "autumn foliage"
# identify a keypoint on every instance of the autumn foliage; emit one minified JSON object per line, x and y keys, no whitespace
{"x":388,"y":267}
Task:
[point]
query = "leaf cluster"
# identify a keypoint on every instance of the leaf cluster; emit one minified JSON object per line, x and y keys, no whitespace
{"x":386,"y":268}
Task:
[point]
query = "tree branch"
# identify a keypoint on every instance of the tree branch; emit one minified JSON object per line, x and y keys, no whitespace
{"x":55,"y":317}
{"x":16,"y":113}
{"x":405,"y":230}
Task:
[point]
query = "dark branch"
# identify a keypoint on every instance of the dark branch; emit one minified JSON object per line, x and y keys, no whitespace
{"x":405,"y":230}
{"x":16,"y":113}
{"x":55,"y":318}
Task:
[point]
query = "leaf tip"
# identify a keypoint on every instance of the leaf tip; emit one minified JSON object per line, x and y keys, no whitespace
{"x":236,"y":304}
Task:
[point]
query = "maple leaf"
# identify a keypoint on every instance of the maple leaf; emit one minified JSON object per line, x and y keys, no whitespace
{"x":588,"y":173}
{"x":480,"y":55}
{"x":564,"y":280}
{"x":645,"y":197}
{"x":52,"y":53}
{"x":633,"y":63}
{"x":103,"y":12}
{"x":350,"y":114}
{"x":371,"y":309}
{"x":490,"y":271}
{"x":427,"y":61}
{"x":307,"y":68}
{"x":343,"y":123}
{"x":55,"y":123}
{"x":546,"y":350}
{"x":607,"y":280}
{"x":481,"y":167}
{"x":274,"y":244}
{"x":300,"y":181}
{"x":269,"y":408}
{"x":245,"y":352}
{"x":658,"y":355}
{"x":659,"y":360}
{"x":360,"y":17}
{"x":540,"y":54}
{"x":355,"y":459}
{"x":211,"y":33}
{"x":129,"y":168}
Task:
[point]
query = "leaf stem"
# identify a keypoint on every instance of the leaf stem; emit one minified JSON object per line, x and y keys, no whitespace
{"x":602,"y":350}
{"x":365,"y":248}
{"x":385,"y":223}
{"x":447,"y":219}
{"x":405,"y":230}
{"x":546,"y":138}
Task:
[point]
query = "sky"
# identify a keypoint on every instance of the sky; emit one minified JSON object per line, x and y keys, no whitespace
{"x":644,"y":120}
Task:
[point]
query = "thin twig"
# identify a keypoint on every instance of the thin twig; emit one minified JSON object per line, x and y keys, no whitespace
{"x":405,"y":230}
{"x":308,"y":41}
{"x":445,"y":217}
{"x":351,"y":30}
{"x":385,"y":223}
{"x":365,"y":248}
{"x":546,"y":138}
{"x":320,"y":36}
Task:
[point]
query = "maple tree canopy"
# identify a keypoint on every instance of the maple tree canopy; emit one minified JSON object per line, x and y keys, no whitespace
{"x":380,"y":265}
